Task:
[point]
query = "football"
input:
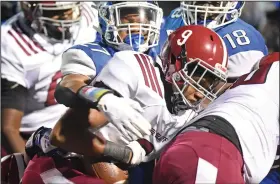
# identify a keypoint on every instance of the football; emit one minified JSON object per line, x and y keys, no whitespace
{"x":109,"y":172}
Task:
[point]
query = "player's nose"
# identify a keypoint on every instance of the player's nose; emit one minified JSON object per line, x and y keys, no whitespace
{"x":198,"y":96}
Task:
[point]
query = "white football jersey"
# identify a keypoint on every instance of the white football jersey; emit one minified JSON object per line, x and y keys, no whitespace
{"x":134,"y":76}
{"x":252,"y":108}
{"x":35,"y":64}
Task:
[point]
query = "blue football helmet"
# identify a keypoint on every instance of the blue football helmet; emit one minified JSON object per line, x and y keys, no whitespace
{"x":130,"y":24}
{"x":211,"y":14}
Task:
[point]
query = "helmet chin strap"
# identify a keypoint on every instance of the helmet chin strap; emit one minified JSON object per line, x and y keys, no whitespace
{"x":134,"y":41}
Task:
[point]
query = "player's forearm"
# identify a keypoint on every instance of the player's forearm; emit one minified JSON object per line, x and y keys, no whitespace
{"x":11,"y":121}
{"x":74,"y":81}
{"x":92,"y":146}
{"x":12,"y":141}
{"x":71,"y":133}
{"x":73,"y":91}
{"x":66,"y":90}
{"x":81,"y":142}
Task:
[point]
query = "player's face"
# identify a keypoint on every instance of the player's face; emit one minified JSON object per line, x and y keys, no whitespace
{"x":137,"y":16}
{"x":133,"y":18}
{"x":210,"y":16}
{"x":195,"y":96}
{"x":63,"y":15}
{"x":57,"y":21}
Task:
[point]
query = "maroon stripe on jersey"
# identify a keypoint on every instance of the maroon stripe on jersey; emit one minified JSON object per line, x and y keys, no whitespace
{"x":87,"y":13}
{"x":50,"y":98}
{"x":142,"y":69}
{"x":86,"y":18}
{"x":90,"y":12}
{"x":38,"y":46}
{"x":147,"y":66}
{"x":146,"y":145}
{"x":18,"y":31}
{"x":155,"y":77}
{"x":26,"y":42}
{"x":20,"y":45}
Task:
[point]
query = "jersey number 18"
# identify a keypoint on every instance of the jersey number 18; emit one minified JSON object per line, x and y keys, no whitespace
{"x":240,"y":38}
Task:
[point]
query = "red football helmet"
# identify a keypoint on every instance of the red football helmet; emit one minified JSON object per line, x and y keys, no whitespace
{"x":191,"y":54}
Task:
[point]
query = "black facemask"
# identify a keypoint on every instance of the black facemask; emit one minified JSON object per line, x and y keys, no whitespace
{"x":57,"y":34}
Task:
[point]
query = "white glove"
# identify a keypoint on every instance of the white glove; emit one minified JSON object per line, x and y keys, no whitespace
{"x":138,"y":153}
{"x":124,"y":114}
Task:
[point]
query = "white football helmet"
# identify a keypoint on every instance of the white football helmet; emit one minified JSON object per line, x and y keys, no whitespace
{"x":54,"y":19}
{"x":211,"y":14}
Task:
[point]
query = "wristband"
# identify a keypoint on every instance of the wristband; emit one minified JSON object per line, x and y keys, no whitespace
{"x":92,"y":94}
{"x":118,"y":152}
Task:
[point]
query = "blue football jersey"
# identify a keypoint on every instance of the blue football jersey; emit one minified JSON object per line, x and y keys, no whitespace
{"x":98,"y":52}
{"x":244,"y":43}
{"x":89,"y":59}
{"x":273,"y":177}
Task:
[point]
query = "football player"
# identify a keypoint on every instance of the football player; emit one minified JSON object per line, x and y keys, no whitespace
{"x":197,"y":75}
{"x":125,"y":26}
{"x":31,"y":46}
{"x":235,"y":139}
{"x":244,"y":43}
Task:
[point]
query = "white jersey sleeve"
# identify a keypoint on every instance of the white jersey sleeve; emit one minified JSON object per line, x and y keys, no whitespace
{"x":252,"y":108}
{"x":75,"y":61}
{"x":12,"y":68}
{"x":133,"y":76}
{"x":242,"y":62}
{"x":90,"y":13}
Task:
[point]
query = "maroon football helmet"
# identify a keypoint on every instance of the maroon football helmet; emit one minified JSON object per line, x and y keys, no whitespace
{"x":191,"y":54}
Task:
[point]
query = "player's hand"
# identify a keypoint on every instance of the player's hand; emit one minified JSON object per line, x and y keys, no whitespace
{"x":125,"y":115}
{"x":39,"y":142}
{"x":138,"y":153}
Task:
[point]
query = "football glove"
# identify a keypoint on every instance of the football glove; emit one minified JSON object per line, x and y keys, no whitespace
{"x":138,"y":153}
{"x":39,"y":143}
{"x":125,"y":114}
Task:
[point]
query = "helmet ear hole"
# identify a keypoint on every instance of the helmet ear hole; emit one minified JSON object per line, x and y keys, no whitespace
{"x":173,"y":59}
